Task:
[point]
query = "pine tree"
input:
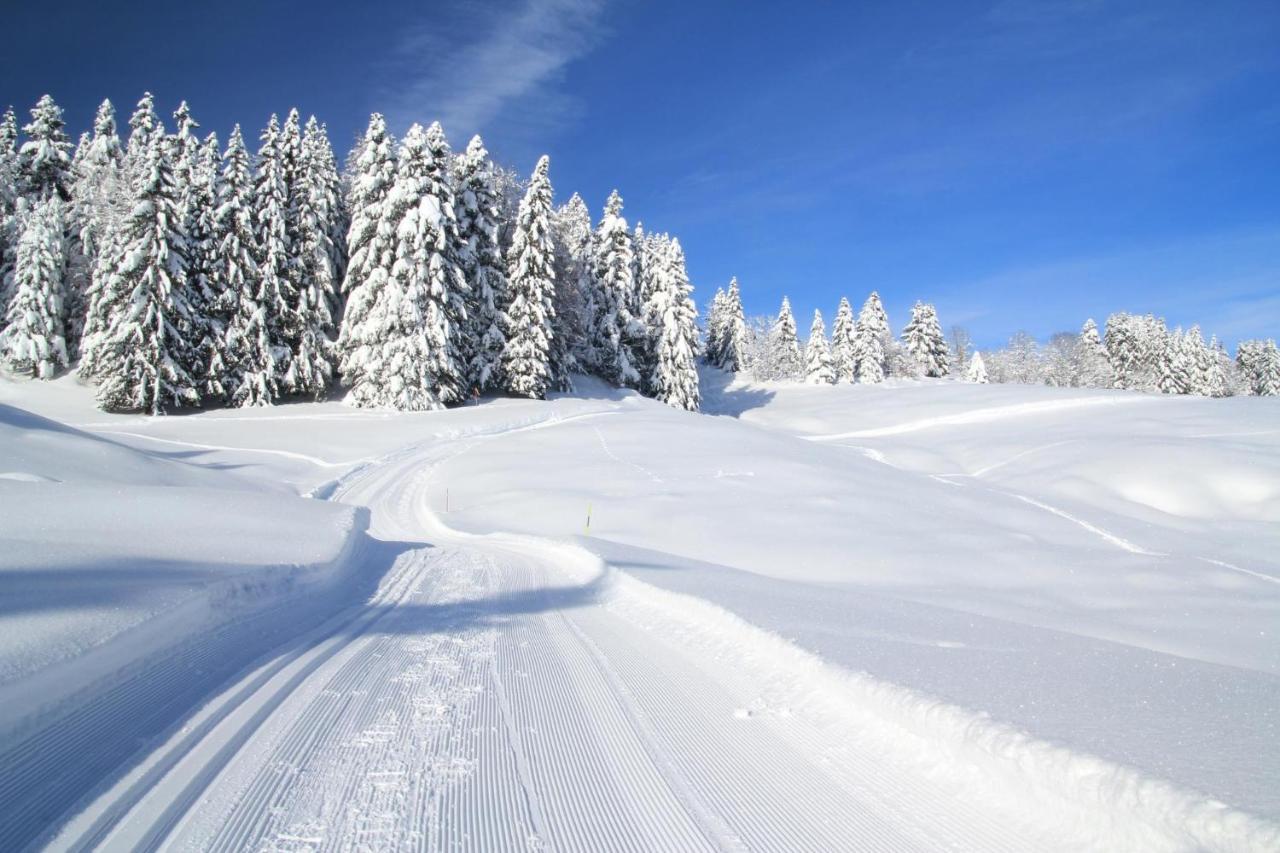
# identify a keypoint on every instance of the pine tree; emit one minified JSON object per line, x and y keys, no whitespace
{"x":1259,"y":364}
{"x":923,"y":339}
{"x":143,"y":124}
{"x":1173,"y":368}
{"x":977,"y":371}
{"x":329,"y":201}
{"x":526,"y":368}
{"x":1095,"y":366}
{"x":1220,"y":381}
{"x":571,"y":228}
{"x":478,"y":211}
{"x":733,"y":331}
{"x":145,"y":349}
{"x":313,"y":208}
{"x":275,"y":291}
{"x":648,"y":267}
{"x":33,"y":342}
{"x":871,"y":342}
{"x":449,"y":273}
{"x":843,"y":347}
{"x":670,"y":309}
{"x":108,"y":293}
{"x":611,"y":327}
{"x":817,"y":355}
{"x":249,"y":378}
{"x":715,"y":319}
{"x":10,"y":172}
{"x":374,"y":171}
{"x":46,"y":155}
{"x":785,"y":345}
{"x":98,"y":196}
{"x":205,"y":294}
{"x":399,"y":352}
{"x":1199,"y":362}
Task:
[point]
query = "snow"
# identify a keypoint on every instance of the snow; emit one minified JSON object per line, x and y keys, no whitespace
{"x":913,"y":615}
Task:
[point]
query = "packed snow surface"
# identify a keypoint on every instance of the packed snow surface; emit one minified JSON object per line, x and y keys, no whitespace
{"x":912,"y":616}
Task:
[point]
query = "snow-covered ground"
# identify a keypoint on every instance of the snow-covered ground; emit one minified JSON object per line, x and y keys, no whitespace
{"x":908,"y":616}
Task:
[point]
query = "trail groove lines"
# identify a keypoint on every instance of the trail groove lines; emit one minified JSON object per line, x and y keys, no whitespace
{"x":977,"y":416}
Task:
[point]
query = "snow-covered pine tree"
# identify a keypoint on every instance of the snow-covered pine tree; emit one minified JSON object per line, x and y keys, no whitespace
{"x":871,"y":342}
{"x":674,"y":319}
{"x":571,"y":227}
{"x":1095,"y":366}
{"x":715,"y":316}
{"x":108,"y":294}
{"x":449,"y":275}
{"x":1199,"y":362}
{"x":98,"y":197}
{"x":33,"y":342}
{"x":399,"y":352}
{"x":205,"y":294}
{"x":10,"y":172}
{"x":143,"y":124}
{"x":977,"y":371}
{"x":785,"y":345}
{"x":526,"y":367}
{"x":145,"y":349}
{"x":327,"y":184}
{"x":313,"y":207}
{"x":817,"y":355}
{"x":611,"y":326}
{"x":843,"y":347}
{"x":369,"y":248}
{"x":1131,"y":351}
{"x":1173,"y":368}
{"x":275,"y":290}
{"x":733,"y":331}
{"x":249,"y":380}
{"x":478,"y":210}
{"x":1259,"y":365}
{"x":648,"y":266}
{"x":923,"y":339}
{"x":1220,"y":379}
{"x":46,"y":155}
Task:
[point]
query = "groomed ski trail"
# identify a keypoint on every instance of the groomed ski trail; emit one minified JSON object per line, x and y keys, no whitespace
{"x":504,"y":692}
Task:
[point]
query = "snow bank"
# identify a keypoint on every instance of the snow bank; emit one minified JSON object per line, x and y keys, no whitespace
{"x":114,"y":555}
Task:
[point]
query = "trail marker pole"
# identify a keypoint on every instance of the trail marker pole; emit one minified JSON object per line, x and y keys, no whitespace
{"x":446,"y":500}
{"x":587,"y":531}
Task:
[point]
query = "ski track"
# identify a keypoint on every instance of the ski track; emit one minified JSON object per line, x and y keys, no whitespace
{"x":503,"y":692}
{"x":287,"y":454}
{"x":604,"y":445}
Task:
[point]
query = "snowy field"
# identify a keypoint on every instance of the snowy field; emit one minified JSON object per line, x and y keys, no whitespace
{"x":910,"y":616}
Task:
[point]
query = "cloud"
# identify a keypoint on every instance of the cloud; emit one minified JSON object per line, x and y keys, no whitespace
{"x":491,"y":70}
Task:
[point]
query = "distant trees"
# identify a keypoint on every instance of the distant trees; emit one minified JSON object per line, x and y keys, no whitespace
{"x":924,"y":342}
{"x":817,"y":355}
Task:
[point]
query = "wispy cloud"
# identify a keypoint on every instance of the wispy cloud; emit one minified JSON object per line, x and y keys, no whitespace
{"x":492,"y":69}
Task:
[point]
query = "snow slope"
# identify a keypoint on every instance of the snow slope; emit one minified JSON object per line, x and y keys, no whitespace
{"x":961,"y":630}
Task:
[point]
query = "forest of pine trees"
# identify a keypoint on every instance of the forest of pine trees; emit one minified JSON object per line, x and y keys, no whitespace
{"x":1136,"y":352}
{"x":174,"y":272}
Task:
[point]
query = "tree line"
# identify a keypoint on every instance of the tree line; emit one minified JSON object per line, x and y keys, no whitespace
{"x":1137,"y":352}
{"x":175,"y":272}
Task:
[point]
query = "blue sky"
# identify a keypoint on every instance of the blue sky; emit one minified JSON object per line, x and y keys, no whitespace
{"x":1023,"y":165}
